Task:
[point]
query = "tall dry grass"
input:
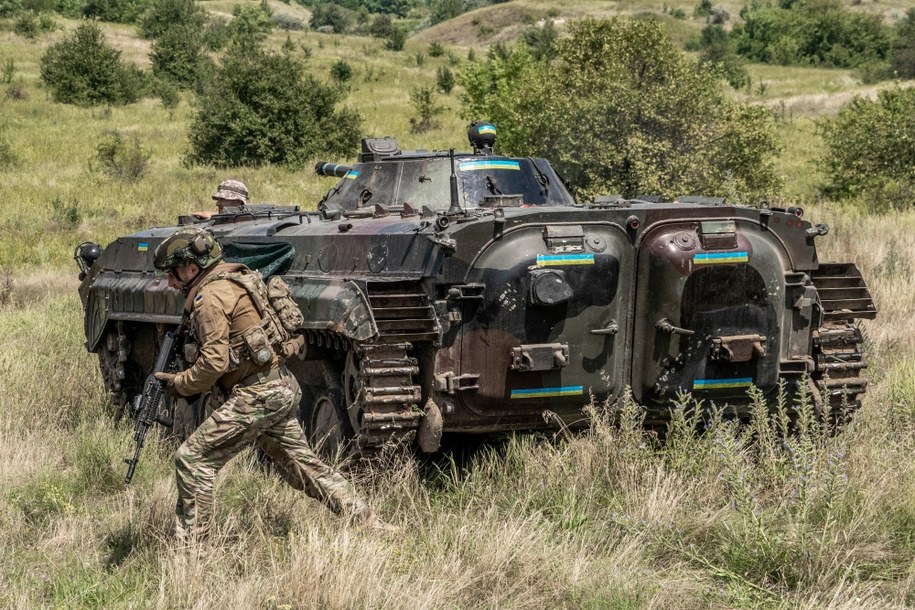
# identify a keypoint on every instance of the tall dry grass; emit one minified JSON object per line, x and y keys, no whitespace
{"x":722,"y":518}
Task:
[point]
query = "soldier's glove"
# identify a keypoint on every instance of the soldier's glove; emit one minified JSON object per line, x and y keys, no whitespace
{"x":169,"y":379}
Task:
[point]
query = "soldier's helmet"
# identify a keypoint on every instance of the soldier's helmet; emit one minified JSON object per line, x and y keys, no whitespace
{"x":232,"y":190}
{"x":187,"y":245}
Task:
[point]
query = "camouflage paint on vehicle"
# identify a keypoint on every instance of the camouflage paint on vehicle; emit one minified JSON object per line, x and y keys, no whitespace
{"x":469,"y":292}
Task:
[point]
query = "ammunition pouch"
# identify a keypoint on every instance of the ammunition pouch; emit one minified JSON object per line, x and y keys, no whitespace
{"x":259,"y":347}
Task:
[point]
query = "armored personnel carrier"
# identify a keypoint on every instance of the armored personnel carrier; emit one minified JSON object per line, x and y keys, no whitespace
{"x":469,"y":292}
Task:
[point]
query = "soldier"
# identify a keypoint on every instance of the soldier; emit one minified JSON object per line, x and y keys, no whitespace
{"x":263,"y":397}
{"x":229,"y":194}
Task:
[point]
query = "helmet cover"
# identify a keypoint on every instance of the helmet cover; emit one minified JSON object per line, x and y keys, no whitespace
{"x":232,"y":190}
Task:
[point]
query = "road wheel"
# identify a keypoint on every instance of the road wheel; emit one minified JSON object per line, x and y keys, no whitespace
{"x":326,"y":422}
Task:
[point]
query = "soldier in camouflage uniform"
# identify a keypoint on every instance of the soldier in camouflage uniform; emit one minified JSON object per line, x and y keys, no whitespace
{"x":230,"y":194}
{"x":263,"y":398}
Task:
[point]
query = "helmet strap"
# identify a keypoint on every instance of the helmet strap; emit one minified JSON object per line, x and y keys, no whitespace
{"x":186,"y":286}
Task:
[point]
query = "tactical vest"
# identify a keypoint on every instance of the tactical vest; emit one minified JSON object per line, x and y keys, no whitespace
{"x":280,"y":316}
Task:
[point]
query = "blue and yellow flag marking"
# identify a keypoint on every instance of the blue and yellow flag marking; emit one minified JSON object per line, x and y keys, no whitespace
{"x":142,"y":247}
{"x":556,"y":260}
{"x":722,"y":384}
{"x":719,"y":258}
{"x":352,"y":174}
{"x":472,"y":166}
{"x":569,"y":390}
{"x":486,"y":128}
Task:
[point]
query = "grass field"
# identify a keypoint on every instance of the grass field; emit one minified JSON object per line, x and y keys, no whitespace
{"x":607,"y":519}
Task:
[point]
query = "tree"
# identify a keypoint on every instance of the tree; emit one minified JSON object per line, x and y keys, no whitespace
{"x":718,"y":50}
{"x":261,"y":107}
{"x":251,"y":25}
{"x":443,"y":10}
{"x":423,"y":99}
{"x":621,"y":110}
{"x":870,"y":147}
{"x":328,"y":15}
{"x":903,"y":52}
{"x":177,"y":56}
{"x":541,"y":40}
{"x":163,"y":14}
{"x":821,"y":32}
{"x":121,"y":11}
{"x":83,"y":70}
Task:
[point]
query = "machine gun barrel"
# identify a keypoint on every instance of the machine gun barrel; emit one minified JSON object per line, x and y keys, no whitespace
{"x":146,"y":406}
{"x":332,"y":170}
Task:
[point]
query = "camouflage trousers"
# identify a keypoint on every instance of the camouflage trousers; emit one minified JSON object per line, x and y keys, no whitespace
{"x":262,"y":412}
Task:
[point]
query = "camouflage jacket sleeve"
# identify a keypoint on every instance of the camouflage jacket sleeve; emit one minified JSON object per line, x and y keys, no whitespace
{"x":210,"y":322}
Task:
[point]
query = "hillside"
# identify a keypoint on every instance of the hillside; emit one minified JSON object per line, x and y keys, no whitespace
{"x":610,"y":518}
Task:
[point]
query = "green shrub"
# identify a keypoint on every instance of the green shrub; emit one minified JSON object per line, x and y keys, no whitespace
{"x":69,"y":8}
{"x":382,"y":26}
{"x":870,"y":149}
{"x":40,"y":6}
{"x":423,"y":99}
{"x":288,"y":22}
{"x":120,"y":159}
{"x":341,"y":71}
{"x":627,"y":83}
{"x":331,"y":16}
{"x":703,"y":8}
{"x":8,"y":157}
{"x":40,"y":502}
{"x":163,"y":14}
{"x":444,"y":79}
{"x":443,"y":10}
{"x":396,"y":40}
{"x":84,"y":70}
{"x":820,"y":32}
{"x":66,"y":213}
{"x":902,"y":55}
{"x":217,"y":34}
{"x":7,"y":71}
{"x":541,"y":41}
{"x":9,"y":8}
{"x":119,"y":11}
{"x":27,"y":25}
{"x":167,"y":93}
{"x":262,"y":107}
{"x":436,"y":49}
{"x":251,"y":24}
{"x":718,"y":50}
{"x":177,"y":55}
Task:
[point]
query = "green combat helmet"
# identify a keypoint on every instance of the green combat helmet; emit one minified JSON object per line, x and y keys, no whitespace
{"x":185,"y":246}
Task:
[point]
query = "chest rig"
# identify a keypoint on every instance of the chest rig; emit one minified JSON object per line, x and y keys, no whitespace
{"x":280,"y":317}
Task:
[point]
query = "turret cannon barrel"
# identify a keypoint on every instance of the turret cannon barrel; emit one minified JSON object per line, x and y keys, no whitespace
{"x":332,"y":170}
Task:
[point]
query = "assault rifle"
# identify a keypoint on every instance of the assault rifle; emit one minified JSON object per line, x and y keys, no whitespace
{"x":146,"y":406}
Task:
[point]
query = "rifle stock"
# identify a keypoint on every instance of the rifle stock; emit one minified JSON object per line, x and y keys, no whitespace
{"x":146,"y":406}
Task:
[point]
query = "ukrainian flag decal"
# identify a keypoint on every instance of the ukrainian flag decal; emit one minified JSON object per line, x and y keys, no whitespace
{"x":556,"y":260}
{"x":722,"y":384}
{"x":569,"y":390}
{"x":721,"y":258}
{"x":486,"y":128}
{"x":142,"y":247}
{"x":352,"y":174}
{"x":472,"y":166}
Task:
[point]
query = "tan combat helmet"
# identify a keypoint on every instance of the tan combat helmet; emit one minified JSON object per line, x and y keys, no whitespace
{"x":232,"y":190}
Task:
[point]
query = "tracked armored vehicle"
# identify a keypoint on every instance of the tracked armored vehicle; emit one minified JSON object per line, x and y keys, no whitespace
{"x":468,"y":292}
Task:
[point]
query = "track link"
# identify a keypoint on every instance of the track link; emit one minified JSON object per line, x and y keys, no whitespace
{"x":839,"y":368}
{"x":388,"y":397}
